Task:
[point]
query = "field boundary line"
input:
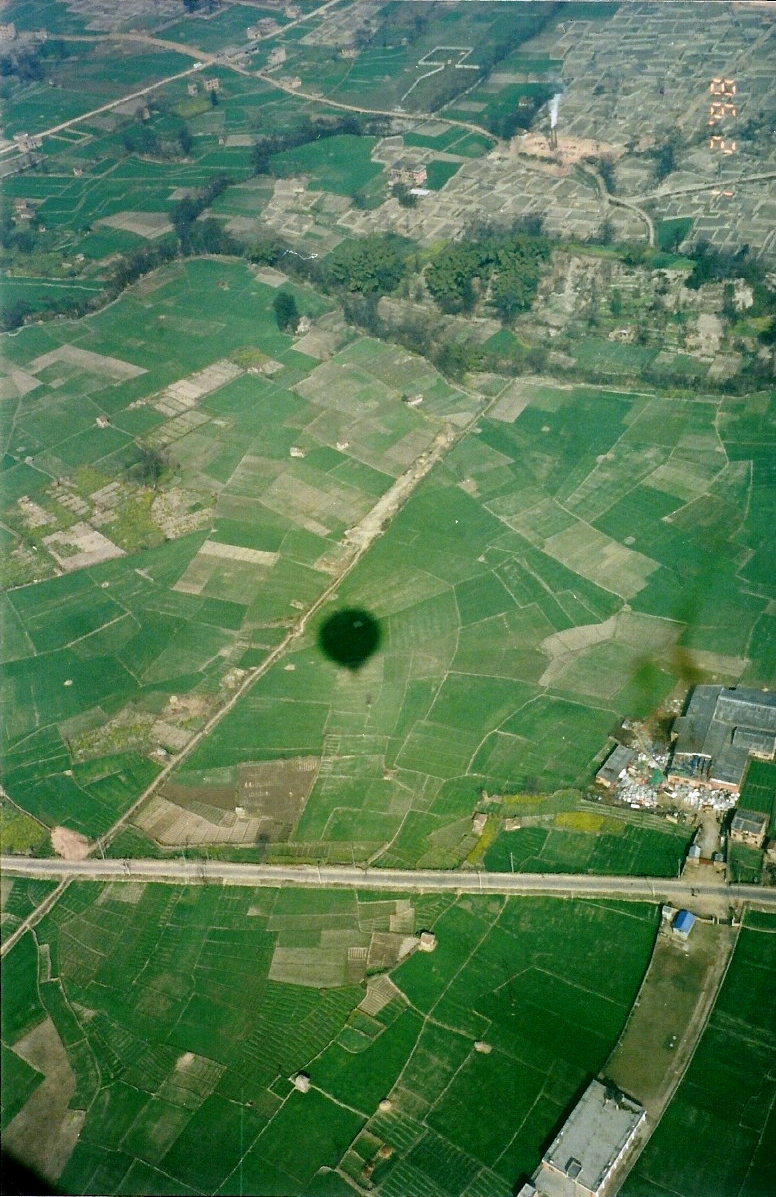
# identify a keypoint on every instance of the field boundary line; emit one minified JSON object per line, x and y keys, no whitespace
{"x":360,"y":539}
{"x":34,"y":917}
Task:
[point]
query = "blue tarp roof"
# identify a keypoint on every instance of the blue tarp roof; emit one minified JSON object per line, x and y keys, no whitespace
{"x":684,"y":921}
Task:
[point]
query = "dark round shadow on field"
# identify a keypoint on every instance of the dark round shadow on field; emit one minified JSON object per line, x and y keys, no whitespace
{"x":349,"y":637}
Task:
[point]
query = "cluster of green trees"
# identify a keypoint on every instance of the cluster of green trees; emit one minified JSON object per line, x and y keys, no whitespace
{"x":373,"y":265}
{"x":506,"y":124}
{"x":203,"y":236}
{"x":402,"y":24}
{"x":20,"y":237}
{"x":713,"y":265}
{"x":509,"y":263}
{"x":28,"y":63}
{"x":141,"y":261}
{"x":665,"y":155}
{"x":141,"y":138}
{"x":286,"y":311}
{"x":360,"y":266}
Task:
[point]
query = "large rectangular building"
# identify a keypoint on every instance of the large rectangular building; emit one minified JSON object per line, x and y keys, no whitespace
{"x":591,"y":1143}
{"x":719,"y":731}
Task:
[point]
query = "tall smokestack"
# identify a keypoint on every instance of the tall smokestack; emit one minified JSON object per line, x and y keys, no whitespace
{"x":555,"y":104}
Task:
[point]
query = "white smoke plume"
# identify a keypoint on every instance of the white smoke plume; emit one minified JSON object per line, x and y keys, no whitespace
{"x":555,"y":103}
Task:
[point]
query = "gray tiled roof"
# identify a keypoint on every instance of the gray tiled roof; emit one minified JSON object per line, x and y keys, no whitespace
{"x":719,"y":730}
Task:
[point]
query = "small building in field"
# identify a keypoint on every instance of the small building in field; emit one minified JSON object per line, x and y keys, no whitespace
{"x":212,"y":84}
{"x":683,"y":923}
{"x":615,"y":765}
{"x":749,"y":827}
{"x":412,"y":174}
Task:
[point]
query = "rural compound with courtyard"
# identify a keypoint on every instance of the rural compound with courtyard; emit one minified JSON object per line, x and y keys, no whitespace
{"x":388,"y":613}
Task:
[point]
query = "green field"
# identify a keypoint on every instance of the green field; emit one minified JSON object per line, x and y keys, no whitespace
{"x":91,"y":78}
{"x":92,"y":658}
{"x":604,"y":845}
{"x":717,"y":1135}
{"x":482,"y":681}
{"x":183,"y":1043}
{"x":339,"y":164}
{"x":759,"y":789}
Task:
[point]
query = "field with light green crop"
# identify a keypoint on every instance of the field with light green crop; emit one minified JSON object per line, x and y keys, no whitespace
{"x":203,"y":577}
{"x":184,"y":1029}
{"x":548,"y":580}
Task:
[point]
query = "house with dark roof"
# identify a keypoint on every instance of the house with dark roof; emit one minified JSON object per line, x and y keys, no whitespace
{"x":749,"y":827}
{"x":615,"y":765}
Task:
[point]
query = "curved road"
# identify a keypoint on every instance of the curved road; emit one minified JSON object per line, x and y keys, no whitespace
{"x":178,"y":871}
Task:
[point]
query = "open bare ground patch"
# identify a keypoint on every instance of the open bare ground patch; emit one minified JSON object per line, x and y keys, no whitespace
{"x":602,"y":560}
{"x":172,"y":826}
{"x":45,"y":1130}
{"x":17,"y":383}
{"x":262,"y":803}
{"x":80,"y":546}
{"x":145,"y":224}
{"x":278,"y":789}
{"x":92,"y":363}
{"x":664,"y":1022}
{"x":70,"y":845}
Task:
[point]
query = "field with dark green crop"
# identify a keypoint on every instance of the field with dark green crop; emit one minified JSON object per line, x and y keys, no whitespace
{"x":184,"y":1036}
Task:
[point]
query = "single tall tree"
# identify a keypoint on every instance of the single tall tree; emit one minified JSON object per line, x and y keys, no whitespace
{"x":286,"y":311}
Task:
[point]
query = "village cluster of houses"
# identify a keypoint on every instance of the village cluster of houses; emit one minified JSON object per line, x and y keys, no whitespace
{"x":720,"y":731}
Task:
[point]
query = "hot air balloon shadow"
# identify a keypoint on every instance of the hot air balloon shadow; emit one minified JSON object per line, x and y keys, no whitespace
{"x":349,"y":637}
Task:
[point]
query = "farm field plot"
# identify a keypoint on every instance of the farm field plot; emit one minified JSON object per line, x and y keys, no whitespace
{"x":401,"y":65}
{"x":584,"y":841}
{"x":509,"y":650}
{"x":724,"y":1113}
{"x":168,"y":595}
{"x":183,"y":1041}
{"x":339,"y":164}
{"x":33,"y":107}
